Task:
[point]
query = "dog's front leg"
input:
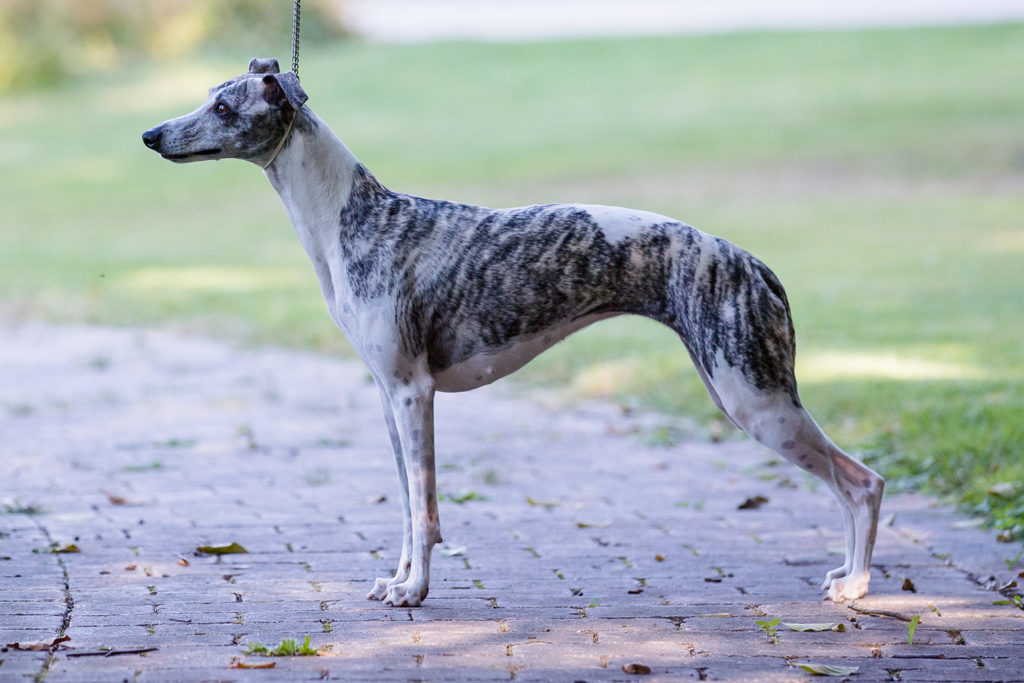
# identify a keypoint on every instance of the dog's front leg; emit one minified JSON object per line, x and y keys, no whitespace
{"x":380,"y":586}
{"x":412,"y":407}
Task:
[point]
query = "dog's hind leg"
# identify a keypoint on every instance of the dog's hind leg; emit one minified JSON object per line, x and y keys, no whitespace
{"x":848,"y":524}
{"x":733,"y":316}
{"x":380,"y":586}
{"x":780,"y":423}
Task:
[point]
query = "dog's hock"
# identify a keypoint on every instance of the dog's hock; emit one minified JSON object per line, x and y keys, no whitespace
{"x":264,"y":66}
{"x":280,"y":89}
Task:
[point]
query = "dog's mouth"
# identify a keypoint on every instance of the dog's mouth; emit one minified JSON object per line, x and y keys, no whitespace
{"x":200,"y":153}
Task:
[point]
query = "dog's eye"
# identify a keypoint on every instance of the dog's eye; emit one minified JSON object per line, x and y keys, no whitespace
{"x":220,"y":109}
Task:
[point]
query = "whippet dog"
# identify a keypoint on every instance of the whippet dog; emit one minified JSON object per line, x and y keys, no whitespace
{"x":439,"y":296}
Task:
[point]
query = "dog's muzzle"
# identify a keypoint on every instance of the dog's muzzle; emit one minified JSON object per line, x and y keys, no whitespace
{"x":153,"y":139}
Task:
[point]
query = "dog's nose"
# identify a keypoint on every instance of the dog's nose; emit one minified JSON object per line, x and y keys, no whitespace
{"x":151,"y":137}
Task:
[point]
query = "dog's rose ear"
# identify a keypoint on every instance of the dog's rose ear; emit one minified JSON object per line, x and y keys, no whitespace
{"x":284,"y":89}
{"x":264,"y":66}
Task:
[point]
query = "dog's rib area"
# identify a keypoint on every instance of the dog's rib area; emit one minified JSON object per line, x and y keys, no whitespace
{"x":478,"y":289}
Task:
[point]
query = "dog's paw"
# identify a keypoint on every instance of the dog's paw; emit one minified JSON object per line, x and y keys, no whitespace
{"x":835,"y":574}
{"x":406,"y":594}
{"x":380,"y":589}
{"x":849,"y":587}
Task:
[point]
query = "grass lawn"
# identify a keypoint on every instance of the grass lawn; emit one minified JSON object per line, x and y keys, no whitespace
{"x":880,"y":173}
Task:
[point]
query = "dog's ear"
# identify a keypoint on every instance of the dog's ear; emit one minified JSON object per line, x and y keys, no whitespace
{"x":282,"y":89}
{"x":264,"y":66}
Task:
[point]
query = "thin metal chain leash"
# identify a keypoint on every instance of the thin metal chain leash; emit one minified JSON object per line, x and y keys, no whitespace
{"x":295,"y":38}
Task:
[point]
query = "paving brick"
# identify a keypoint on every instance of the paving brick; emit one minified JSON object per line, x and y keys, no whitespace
{"x":589,"y":550}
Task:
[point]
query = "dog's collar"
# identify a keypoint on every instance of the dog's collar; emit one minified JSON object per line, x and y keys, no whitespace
{"x":284,"y":139}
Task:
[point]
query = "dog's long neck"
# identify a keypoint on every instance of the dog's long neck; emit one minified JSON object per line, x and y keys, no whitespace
{"x":313,"y":175}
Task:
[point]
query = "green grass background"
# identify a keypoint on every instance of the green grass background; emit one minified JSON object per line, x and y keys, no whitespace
{"x":880,"y":173}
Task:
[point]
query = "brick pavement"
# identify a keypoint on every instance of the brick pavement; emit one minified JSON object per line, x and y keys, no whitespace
{"x":588,"y":547}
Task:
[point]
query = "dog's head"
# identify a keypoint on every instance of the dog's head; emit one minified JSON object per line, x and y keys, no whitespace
{"x":244,"y":118}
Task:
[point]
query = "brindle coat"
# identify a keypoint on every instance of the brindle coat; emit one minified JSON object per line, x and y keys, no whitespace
{"x":436,"y":295}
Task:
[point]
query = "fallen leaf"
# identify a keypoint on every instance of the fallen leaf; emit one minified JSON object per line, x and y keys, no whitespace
{"x":829,"y":669}
{"x":39,"y":645}
{"x":752,"y":503}
{"x":229,"y":549}
{"x":66,"y":548}
{"x":592,"y":525}
{"x":815,"y":627}
{"x":461,"y":498}
{"x":130,"y":567}
{"x":659,"y":558}
{"x":116,"y":499}
{"x":237,"y":663}
{"x":182,"y":561}
{"x":636,"y":668}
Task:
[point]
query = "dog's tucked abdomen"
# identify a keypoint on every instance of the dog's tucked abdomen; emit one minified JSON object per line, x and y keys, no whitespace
{"x":490,"y":364}
{"x":482,"y":291}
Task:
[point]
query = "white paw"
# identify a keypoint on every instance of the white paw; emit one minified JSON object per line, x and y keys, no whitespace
{"x":406,"y":594}
{"x":380,"y":589}
{"x":849,"y":587}
{"x":837,"y":573}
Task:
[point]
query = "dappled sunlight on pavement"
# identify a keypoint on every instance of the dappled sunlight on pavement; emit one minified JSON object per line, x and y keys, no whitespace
{"x":575,"y":544}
